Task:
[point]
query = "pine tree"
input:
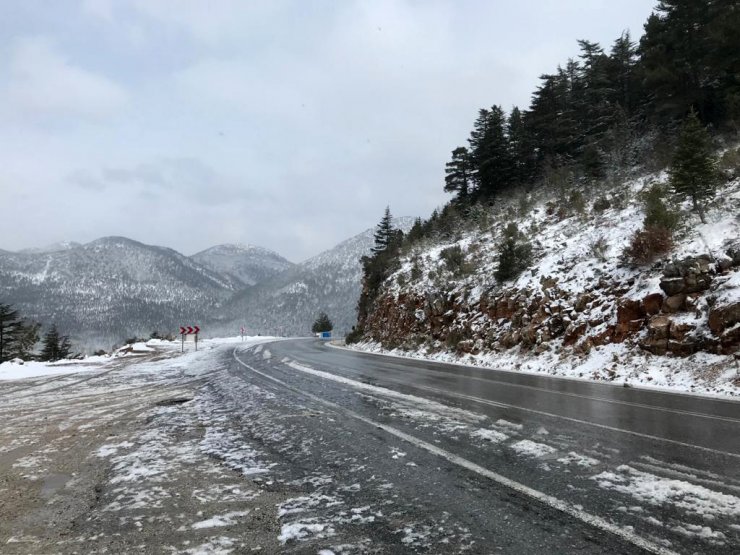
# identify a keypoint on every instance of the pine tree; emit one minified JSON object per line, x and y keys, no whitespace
{"x":594,"y":109}
{"x":490,"y":153}
{"x":322,"y":323}
{"x":384,"y":233}
{"x":622,"y":73}
{"x":17,"y":336}
{"x":675,"y":67}
{"x":459,"y":174}
{"x":65,"y":347}
{"x":50,"y":350}
{"x":375,"y":268}
{"x":521,"y":149}
{"x":514,"y":254}
{"x":693,"y":173}
{"x":10,"y":323}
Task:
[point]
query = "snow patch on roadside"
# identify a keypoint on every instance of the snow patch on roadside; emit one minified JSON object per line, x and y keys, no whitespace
{"x":648,"y":488}
{"x":531,"y":448}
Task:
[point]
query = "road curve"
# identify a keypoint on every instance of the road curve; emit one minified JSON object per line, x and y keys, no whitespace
{"x":621,"y":469}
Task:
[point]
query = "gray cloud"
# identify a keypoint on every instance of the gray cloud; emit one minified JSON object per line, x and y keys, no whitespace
{"x":286,"y":124}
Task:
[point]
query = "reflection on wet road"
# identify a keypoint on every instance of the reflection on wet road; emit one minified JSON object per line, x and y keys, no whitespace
{"x":497,"y":460}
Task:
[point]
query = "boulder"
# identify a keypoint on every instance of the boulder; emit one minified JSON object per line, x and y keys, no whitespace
{"x":674,"y":303}
{"x":679,"y":332}
{"x":655,"y":346}
{"x":652,"y":303}
{"x":659,"y":327}
{"x":573,"y":333}
{"x":672,"y":286}
{"x":724,"y":317}
{"x":683,"y":348}
{"x":730,"y":340}
{"x":629,"y":310}
{"x":690,"y":275}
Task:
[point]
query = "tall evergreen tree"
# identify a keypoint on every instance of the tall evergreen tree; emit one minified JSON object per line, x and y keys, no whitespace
{"x":459,"y":174}
{"x":594,"y":109}
{"x":489,"y":150}
{"x":10,"y":323}
{"x":50,"y":350}
{"x":385,"y":234}
{"x":621,"y":69}
{"x":17,"y":336}
{"x":693,"y":173}
{"x":522,"y":150}
{"x":674,"y":54}
{"x":375,"y":268}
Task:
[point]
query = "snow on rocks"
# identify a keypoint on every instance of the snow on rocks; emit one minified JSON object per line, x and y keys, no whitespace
{"x":579,"y":311}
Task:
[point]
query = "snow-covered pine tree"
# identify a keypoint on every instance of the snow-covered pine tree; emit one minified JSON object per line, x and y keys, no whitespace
{"x":694,"y":174}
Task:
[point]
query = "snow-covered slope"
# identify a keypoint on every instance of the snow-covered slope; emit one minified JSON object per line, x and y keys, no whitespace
{"x":111,"y":288}
{"x":247,"y":264}
{"x":579,"y":309}
{"x":289,"y":303}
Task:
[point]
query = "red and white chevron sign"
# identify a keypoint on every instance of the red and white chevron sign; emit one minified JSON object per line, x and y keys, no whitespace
{"x":189,"y":330}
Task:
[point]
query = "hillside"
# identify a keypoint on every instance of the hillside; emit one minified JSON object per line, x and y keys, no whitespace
{"x":579,"y":309}
{"x":109,"y":289}
{"x":288,"y":303}
{"x":246,"y":264}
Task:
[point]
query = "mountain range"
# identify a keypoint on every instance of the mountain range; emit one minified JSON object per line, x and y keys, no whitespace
{"x":112,"y":288}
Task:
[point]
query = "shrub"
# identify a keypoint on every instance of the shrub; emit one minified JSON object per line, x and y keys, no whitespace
{"x":599,"y":247}
{"x":601,"y":204}
{"x":454,"y":259}
{"x":648,"y":244}
{"x":354,"y":336}
{"x":514,"y":254}
{"x":577,"y":202}
{"x":657,"y":213}
{"x":729,"y":163}
{"x":415,"y":271}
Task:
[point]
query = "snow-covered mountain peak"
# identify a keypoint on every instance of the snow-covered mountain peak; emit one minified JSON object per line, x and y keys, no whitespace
{"x":248,"y":264}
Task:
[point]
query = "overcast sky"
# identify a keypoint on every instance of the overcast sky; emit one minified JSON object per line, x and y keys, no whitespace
{"x":288,"y":125}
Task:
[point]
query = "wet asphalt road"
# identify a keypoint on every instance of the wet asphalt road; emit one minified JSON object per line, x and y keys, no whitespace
{"x":464,"y":459}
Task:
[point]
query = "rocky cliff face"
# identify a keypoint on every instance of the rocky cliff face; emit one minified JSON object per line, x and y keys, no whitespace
{"x":576,"y":300}
{"x":682,"y":319}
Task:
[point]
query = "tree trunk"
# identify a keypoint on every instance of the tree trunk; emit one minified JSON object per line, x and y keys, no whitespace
{"x":699,"y":208}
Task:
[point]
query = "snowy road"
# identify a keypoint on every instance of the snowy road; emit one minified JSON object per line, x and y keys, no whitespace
{"x":296,"y":447}
{"x":486,"y":461}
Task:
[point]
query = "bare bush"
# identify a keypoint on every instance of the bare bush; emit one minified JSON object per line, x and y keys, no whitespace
{"x":648,"y":244}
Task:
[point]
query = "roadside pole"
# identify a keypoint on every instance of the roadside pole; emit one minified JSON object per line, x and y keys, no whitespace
{"x":188,"y":330}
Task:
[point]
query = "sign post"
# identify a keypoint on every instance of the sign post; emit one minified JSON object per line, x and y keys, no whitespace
{"x":189,"y":330}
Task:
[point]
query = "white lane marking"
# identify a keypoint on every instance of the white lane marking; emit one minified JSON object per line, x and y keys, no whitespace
{"x":549,"y":500}
{"x":577,"y":420}
{"x":391,"y":393}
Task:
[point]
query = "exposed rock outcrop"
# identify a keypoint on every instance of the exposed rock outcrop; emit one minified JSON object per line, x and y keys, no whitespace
{"x":678,"y":321}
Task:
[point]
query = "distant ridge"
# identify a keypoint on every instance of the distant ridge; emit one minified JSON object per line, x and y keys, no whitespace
{"x":248,"y":264}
